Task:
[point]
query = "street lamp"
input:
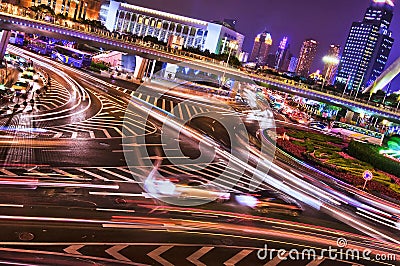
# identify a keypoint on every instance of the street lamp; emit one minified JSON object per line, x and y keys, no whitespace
{"x":232,"y":45}
{"x":330,"y":61}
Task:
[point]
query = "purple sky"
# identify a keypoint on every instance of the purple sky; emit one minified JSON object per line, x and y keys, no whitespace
{"x":326,"y":21}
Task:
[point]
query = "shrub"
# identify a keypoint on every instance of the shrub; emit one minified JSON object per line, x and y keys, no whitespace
{"x":370,"y":154}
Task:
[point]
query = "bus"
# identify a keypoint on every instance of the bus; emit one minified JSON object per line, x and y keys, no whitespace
{"x":17,"y":38}
{"x":71,"y":56}
{"x":358,"y":133}
{"x":40,"y":47}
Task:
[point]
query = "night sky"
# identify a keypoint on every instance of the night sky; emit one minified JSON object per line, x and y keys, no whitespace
{"x":326,"y":21}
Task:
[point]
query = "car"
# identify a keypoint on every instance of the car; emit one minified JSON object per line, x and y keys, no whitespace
{"x":270,"y":202}
{"x":319,"y":126}
{"x":20,"y":87}
{"x":199,"y":190}
{"x":27,"y":76}
{"x":33,"y":72}
{"x":186,"y":188}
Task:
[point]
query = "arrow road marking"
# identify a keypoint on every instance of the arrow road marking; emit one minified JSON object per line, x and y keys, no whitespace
{"x":114,"y":252}
{"x":194,"y":258}
{"x":73,"y":249}
{"x":316,"y":262}
{"x":276,"y":260}
{"x":238,"y":257}
{"x":155,"y":255}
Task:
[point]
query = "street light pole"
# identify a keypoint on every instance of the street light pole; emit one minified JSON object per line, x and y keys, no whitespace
{"x":330,"y":61}
{"x":231,"y":45}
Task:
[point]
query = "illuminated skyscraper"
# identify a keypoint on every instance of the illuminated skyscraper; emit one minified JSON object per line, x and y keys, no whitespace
{"x":262,"y":45}
{"x":292,"y":64}
{"x":367,"y":47}
{"x":330,"y":67}
{"x":281,"y":55}
{"x":306,"y":57}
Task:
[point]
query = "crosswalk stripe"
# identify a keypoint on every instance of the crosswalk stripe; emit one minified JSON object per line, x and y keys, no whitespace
{"x":74,"y":135}
{"x":125,"y":90}
{"x":64,"y":173}
{"x":140,"y":95}
{"x":5,"y":171}
{"x":106,"y":133}
{"x":172,"y":107}
{"x":188,"y":111}
{"x":155,"y":101}
{"x":133,"y":92}
{"x":148,"y":98}
{"x":180,"y":111}
{"x":92,"y":174}
{"x":163,"y":104}
{"x":58,"y":135}
{"x":118,"y":175}
{"x":195,"y":111}
{"x":91,"y":133}
{"x":119,"y":131}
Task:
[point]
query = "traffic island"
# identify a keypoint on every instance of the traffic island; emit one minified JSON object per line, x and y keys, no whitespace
{"x":331,"y":155}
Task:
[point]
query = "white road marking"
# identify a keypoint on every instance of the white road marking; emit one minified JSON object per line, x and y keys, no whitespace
{"x":92,"y":174}
{"x":114,"y":252}
{"x":156,"y":255}
{"x":238,"y":257}
{"x":118,"y":175}
{"x":194,"y":258}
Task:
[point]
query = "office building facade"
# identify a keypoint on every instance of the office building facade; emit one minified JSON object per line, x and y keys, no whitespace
{"x":292,"y":64}
{"x":141,"y":21}
{"x":281,"y":59}
{"x":261,"y":47}
{"x":306,"y":57}
{"x":73,"y":9}
{"x":368,"y":46}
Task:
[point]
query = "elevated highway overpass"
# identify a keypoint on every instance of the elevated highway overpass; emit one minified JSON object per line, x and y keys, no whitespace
{"x":155,"y":52}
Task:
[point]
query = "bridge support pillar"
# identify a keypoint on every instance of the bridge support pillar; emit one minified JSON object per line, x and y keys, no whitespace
{"x":140,"y":69}
{"x":4,"y":38}
{"x":153,"y":66}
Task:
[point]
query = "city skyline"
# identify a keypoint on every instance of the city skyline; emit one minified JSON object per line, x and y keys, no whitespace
{"x":253,"y":19}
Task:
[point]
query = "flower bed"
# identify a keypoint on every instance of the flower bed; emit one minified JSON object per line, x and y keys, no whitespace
{"x":326,"y":153}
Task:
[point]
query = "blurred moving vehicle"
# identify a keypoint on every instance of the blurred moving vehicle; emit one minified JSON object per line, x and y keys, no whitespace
{"x":269,"y":202}
{"x":319,"y":126}
{"x":186,"y":189}
{"x":20,"y":87}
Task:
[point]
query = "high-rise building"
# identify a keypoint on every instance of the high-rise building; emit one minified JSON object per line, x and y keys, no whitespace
{"x":213,"y":36}
{"x":306,"y":57}
{"x":262,"y":45}
{"x":367,"y":47}
{"x":281,"y":54}
{"x":292,"y":64}
{"x":331,"y":64}
{"x":75,"y":9}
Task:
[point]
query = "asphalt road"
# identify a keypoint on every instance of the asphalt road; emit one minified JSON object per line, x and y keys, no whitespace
{"x":59,"y":191}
